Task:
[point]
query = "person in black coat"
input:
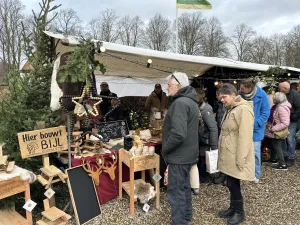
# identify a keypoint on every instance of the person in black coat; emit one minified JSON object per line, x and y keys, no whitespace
{"x":105,"y":105}
{"x":209,"y":139}
{"x":116,"y":114}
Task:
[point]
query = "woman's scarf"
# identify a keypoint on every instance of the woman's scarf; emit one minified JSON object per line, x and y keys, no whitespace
{"x":249,"y":96}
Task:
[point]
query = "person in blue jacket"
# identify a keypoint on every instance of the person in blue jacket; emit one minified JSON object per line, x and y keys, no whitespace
{"x":251,"y":92}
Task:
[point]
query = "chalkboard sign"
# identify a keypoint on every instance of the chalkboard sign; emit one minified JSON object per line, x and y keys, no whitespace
{"x":83,"y":194}
{"x":113,"y":130}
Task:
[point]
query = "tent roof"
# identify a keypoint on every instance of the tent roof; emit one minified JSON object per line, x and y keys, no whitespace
{"x":130,"y":61}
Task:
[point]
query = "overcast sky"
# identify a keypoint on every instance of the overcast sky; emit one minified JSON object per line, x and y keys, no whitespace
{"x":265,"y":16}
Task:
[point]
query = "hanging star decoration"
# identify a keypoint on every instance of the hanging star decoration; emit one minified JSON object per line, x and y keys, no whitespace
{"x":80,"y":102}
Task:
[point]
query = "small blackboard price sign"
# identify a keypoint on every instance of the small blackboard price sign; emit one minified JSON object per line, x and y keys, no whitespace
{"x":113,"y":130}
{"x":83,"y":195}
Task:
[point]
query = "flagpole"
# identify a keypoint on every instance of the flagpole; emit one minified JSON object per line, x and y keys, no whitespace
{"x":176,"y":30}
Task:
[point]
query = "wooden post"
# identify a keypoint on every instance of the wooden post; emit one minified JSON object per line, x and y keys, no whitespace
{"x":46,"y":163}
{"x":157,"y":183}
{"x":120,"y":173}
{"x":46,"y":204}
{"x":27,"y":197}
{"x":151,"y":173}
{"x":143,"y":175}
{"x":131,"y":211}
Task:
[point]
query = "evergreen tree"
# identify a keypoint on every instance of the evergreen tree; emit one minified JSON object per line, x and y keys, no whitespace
{"x":27,"y":99}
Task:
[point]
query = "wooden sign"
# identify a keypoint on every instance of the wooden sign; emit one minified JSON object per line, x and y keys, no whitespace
{"x":41,"y":142}
{"x":11,"y":187}
{"x":83,"y":195}
{"x":113,"y":130}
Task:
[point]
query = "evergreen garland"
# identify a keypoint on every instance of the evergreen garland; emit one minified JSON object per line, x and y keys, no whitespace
{"x":81,"y":64}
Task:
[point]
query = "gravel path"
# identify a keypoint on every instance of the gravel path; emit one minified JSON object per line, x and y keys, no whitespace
{"x":276,"y":200}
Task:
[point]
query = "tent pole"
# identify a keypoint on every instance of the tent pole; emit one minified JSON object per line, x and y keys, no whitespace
{"x":176,"y":30}
{"x":69,"y":140}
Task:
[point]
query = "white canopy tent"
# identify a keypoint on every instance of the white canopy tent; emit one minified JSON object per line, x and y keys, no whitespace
{"x":124,"y":61}
{"x":128,"y":75}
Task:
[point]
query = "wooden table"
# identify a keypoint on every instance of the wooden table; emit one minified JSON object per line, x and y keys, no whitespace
{"x":136,"y":164}
{"x":9,"y":188}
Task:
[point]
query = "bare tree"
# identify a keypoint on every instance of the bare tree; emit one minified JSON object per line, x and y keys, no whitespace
{"x":130,"y":30}
{"x":276,"y":52}
{"x":292,"y":47}
{"x":67,"y":22}
{"x":241,"y":40}
{"x":158,"y":33}
{"x":94,"y":29}
{"x":214,"y":41}
{"x":11,"y":15}
{"x":190,"y":33}
{"x":109,"y":21}
{"x":259,"y":50}
{"x":104,"y":27}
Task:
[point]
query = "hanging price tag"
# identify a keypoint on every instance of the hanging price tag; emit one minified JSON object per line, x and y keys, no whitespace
{"x":156,"y":177}
{"x":146,"y":207}
{"x":29,"y":205}
{"x":49,"y":193}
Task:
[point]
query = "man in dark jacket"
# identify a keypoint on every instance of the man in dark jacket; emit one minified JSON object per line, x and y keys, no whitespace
{"x":289,"y":148}
{"x":157,"y":99}
{"x":209,"y":139}
{"x":105,"y":105}
{"x":180,"y":145}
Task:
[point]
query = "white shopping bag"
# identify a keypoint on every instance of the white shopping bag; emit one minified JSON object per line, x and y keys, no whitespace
{"x":211,"y":158}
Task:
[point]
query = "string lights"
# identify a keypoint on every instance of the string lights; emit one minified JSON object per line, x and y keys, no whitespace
{"x":149,"y":63}
{"x":136,"y":62}
{"x":206,"y":75}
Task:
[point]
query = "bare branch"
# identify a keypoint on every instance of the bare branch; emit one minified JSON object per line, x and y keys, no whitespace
{"x":241,"y":41}
{"x":67,"y":22}
{"x":214,"y":41}
{"x":131,"y":30}
{"x":158,"y":33}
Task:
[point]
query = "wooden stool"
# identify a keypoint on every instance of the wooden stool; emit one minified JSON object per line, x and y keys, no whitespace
{"x":136,"y":164}
{"x":53,"y":216}
{"x":49,"y":173}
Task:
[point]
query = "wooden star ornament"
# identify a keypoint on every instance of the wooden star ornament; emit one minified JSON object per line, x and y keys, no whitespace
{"x":79,"y":101}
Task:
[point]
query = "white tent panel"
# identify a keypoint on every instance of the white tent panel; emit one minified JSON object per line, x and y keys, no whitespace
{"x":125,"y":86}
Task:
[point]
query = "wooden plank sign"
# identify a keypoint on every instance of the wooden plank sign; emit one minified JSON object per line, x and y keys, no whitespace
{"x":41,"y":142}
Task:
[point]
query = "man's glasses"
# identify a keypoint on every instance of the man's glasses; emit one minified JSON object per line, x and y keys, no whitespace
{"x":175,"y":78}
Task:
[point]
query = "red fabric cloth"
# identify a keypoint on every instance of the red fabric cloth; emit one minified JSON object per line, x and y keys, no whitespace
{"x":107,"y":189}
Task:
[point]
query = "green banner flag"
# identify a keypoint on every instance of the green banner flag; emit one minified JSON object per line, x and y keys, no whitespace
{"x":193,"y":4}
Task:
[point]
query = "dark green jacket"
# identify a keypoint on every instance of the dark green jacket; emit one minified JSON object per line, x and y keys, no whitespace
{"x":180,"y":128}
{"x":209,"y":140}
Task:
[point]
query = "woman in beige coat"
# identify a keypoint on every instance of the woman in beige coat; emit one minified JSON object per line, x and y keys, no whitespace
{"x":236,"y":149}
